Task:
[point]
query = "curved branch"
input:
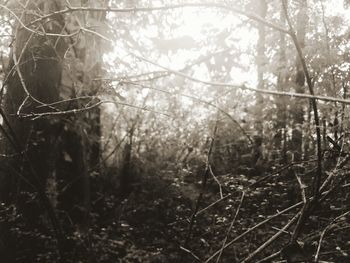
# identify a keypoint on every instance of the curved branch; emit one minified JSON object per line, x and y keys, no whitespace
{"x":317,"y":178}
{"x":71,"y":9}
{"x":239,"y":86}
{"x":308,"y":206}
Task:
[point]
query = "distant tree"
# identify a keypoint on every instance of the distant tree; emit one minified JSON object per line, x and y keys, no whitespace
{"x":261,"y":63}
{"x":280,"y":137}
{"x":297,"y":108}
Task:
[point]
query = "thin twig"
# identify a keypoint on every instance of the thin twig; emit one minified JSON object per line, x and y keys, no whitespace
{"x":205,"y":208}
{"x":71,"y":9}
{"x":20,"y":76}
{"x":324,"y":232}
{"x":204,"y":183}
{"x":216,"y":180}
{"x":270,"y":257}
{"x":230,"y":227}
{"x":271,"y":239}
{"x":302,"y":187}
{"x":324,"y":196}
{"x":79,"y":110}
{"x":191,"y":253}
{"x":243,"y":86}
{"x":214,"y":203}
{"x":318,"y":175}
{"x":278,"y":172}
{"x":253,"y":228}
{"x":40,"y":33}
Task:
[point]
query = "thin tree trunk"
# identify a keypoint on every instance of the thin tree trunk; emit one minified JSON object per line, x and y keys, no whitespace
{"x":298,"y":108}
{"x":260,"y":61}
{"x":282,"y":80}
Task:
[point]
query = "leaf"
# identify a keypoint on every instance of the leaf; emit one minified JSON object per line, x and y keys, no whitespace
{"x":67,"y":157}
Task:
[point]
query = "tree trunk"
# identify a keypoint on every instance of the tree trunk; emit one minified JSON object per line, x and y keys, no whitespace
{"x":63,"y":149}
{"x":33,"y":81}
{"x":298,"y":107}
{"x":261,"y":61}
{"x":257,"y":152}
{"x":80,"y":153}
{"x":282,"y":82}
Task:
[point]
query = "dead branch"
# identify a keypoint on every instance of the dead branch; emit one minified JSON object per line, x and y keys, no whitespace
{"x":271,"y":239}
{"x":230,"y":227}
{"x":318,"y":175}
{"x":243,"y":86}
{"x":324,"y":233}
{"x":253,"y":228}
{"x":204,"y":184}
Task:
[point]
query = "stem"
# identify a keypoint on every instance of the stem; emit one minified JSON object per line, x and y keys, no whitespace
{"x":204,"y":184}
{"x":317,"y":178}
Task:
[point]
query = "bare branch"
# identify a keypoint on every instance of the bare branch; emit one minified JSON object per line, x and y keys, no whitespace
{"x":271,"y":239}
{"x":216,"y":180}
{"x":302,"y":187}
{"x":75,"y":111}
{"x":324,"y":233}
{"x":318,"y":175}
{"x":243,"y":86}
{"x":253,"y":228}
{"x":230,"y":227}
{"x":203,"y":186}
{"x":191,"y":253}
{"x":71,"y":9}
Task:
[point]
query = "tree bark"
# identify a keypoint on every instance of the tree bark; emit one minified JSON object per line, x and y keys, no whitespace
{"x":33,"y":81}
{"x":81,"y":133}
{"x":59,"y":148}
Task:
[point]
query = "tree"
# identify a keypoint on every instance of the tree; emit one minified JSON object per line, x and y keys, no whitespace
{"x":151,"y":97}
{"x":280,"y":139}
{"x":50,"y":70}
{"x":260,"y":62}
{"x":298,"y":108}
{"x":37,"y":52}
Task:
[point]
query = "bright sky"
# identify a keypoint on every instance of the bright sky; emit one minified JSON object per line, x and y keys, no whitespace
{"x":195,"y":20}
{"x":336,"y":7}
{"x":196,"y":24}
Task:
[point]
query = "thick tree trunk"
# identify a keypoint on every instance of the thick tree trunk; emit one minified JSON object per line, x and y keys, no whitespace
{"x":80,"y":153}
{"x":33,"y":81}
{"x":49,"y":147}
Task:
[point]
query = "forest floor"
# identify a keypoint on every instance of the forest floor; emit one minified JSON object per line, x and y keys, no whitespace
{"x":153,"y":223}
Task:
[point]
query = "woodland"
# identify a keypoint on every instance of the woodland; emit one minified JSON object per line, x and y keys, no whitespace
{"x":174,"y":131}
